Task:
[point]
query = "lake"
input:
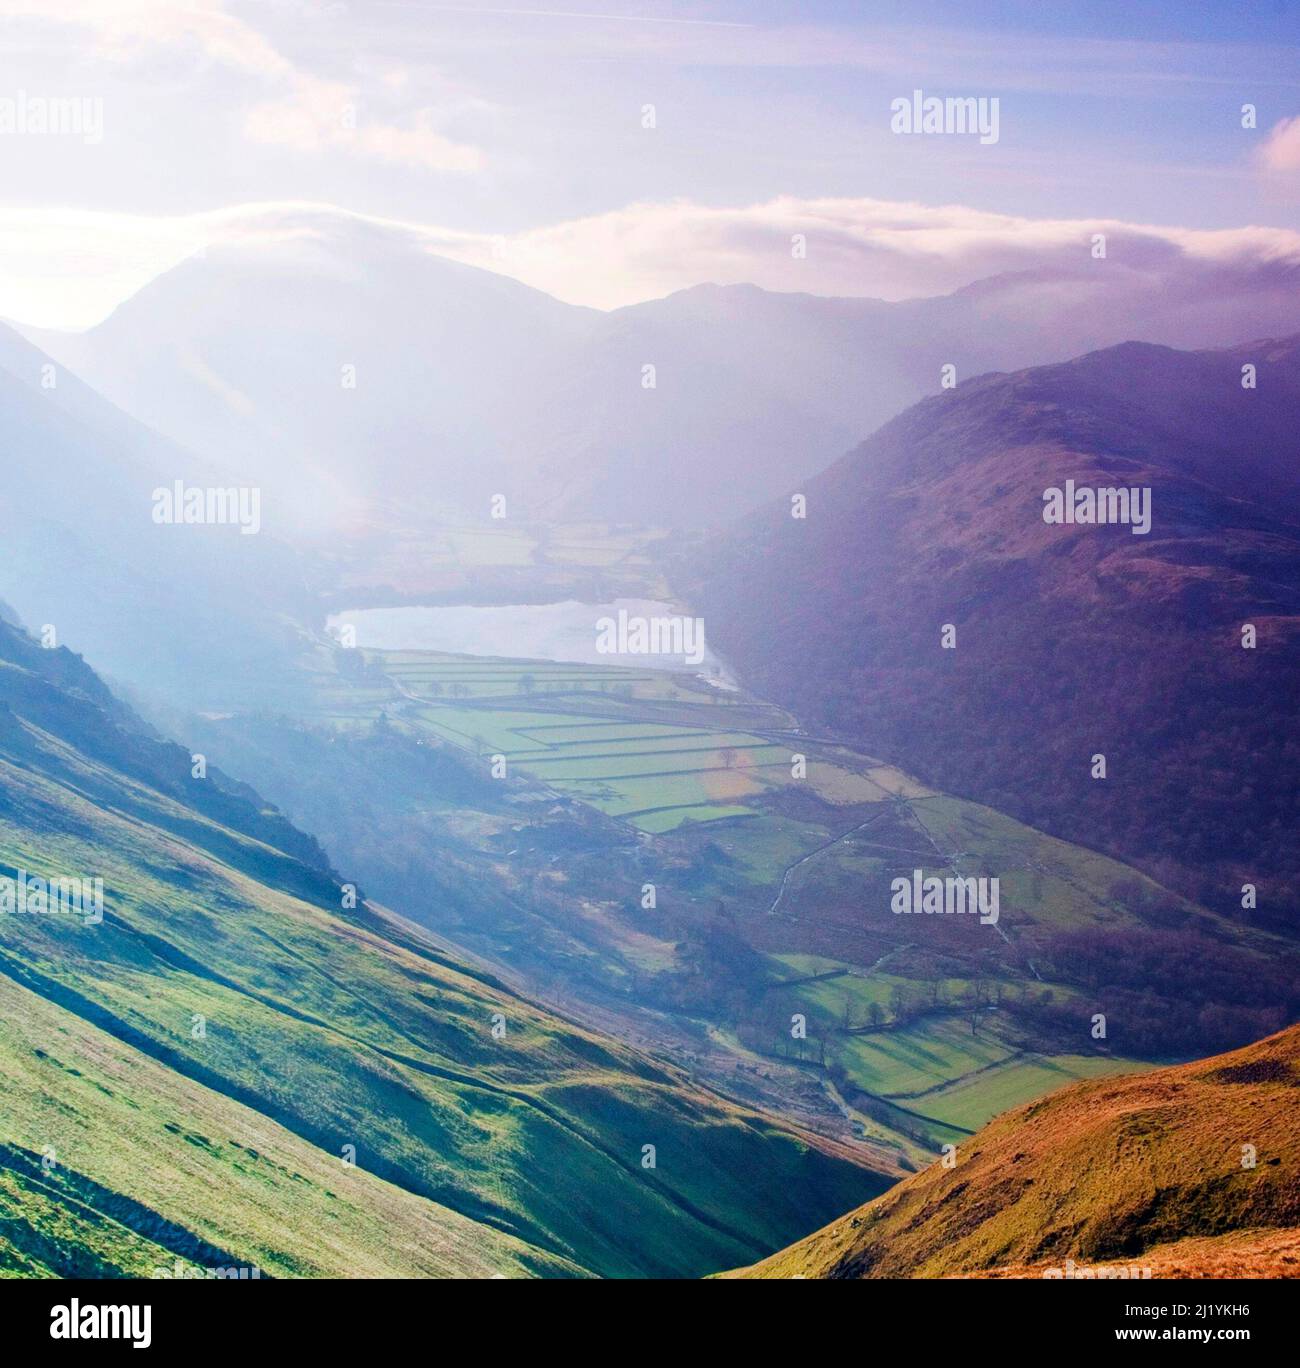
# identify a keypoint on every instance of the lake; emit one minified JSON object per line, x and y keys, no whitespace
{"x":639,"y":633}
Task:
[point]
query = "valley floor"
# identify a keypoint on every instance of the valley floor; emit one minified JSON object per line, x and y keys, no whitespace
{"x":767,"y":960}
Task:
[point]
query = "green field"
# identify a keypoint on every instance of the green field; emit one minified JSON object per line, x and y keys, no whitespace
{"x":972,"y":1102}
{"x":615,"y":738}
{"x":897,"y":1064}
{"x":803,"y":865}
{"x":591,"y":740}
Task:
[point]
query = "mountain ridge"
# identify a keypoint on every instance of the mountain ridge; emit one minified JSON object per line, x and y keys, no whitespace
{"x":469,"y":383}
{"x":938,"y":519}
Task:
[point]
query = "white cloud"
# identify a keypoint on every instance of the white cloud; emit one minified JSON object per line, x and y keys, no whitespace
{"x":1281,"y":150}
{"x":69,"y":268}
{"x":304,"y":111}
{"x":323,"y":116}
{"x":864,"y":247}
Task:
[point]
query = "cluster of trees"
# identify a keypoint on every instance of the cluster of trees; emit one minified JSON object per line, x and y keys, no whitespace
{"x":1164,"y":993}
{"x":1148,"y":1025}
{"x":910,"y":1002}
{"x":718,"y":972}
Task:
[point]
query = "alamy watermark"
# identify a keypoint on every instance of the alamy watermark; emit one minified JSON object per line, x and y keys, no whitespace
{"x":24,"y":115}
{"x":31,"y":894}
{"x":1084,"y":506}
{"x":1073,"y":1270}
{"x":628,"y":634}
{"x":955,"y":114}
{"x":181,"y":1269}
{"x":78,"y":1321}
{"x":950,"y":896}
{"x":189,"y":505}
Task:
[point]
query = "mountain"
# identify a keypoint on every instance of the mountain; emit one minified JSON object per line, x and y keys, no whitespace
{"x":756,"y":390}
{"x":192,"y":609}
{"x":240,"y":353}
{"x":1191,"y":1171}
{"x":232,"y":1062}
{"x":1068,"y":642}
{"x":469,"y":384}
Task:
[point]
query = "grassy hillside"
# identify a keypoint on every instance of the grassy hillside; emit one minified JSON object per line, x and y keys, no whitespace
{"x":112,"y":1159}
{"x":1194,"y":1165}
{"x":201,"y":1062}
{"x":1242,"y":1254}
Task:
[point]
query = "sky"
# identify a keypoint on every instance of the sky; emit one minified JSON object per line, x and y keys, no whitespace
{"x":611,"y":152}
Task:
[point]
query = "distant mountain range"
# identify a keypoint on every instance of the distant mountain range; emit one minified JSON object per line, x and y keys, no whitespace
{"x":1184,"y":1172}
{"x":464,"y":383}
{"x":925,"y":607}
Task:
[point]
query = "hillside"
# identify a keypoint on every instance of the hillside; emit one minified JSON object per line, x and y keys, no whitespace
{"x":1069,"y":640}
{"x":1101,"y":1173}
{"x":185,"y":1076}
{"x":1243,"y":1254}
{"x":193,"y":610}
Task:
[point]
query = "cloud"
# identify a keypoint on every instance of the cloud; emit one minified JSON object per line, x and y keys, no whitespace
{"x":858,"y":247}
{"x":69,"y":268}
{"x":1281,"y":150}
{"x":322,"y":116}
{"x":304,"y":112}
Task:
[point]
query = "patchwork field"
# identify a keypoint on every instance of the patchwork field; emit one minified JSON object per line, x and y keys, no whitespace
{"x":920,"y":1029}
{"x":649,"y":747}
{"x":585,"y":731}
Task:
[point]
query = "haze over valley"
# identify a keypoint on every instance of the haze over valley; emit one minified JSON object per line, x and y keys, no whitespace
{"x":721,"y":703}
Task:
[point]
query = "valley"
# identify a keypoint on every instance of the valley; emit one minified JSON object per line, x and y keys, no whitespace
{"x":620,"y":665}
{"x":688,"y":868}
{"x":366,"y":1100}
{"x":667,"y":874}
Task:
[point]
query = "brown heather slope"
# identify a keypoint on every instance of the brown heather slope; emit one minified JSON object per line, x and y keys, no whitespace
{"x":1243,"y":1254}
{"x":1100,"y":1173}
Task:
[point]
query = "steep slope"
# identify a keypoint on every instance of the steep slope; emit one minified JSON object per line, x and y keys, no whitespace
{"x":114,"y":1158}
{"x":469,"y":384}
{"x":194,"y":1073}
{"x":192,"y":609}
{"x":1071,"y":641}
{"x":1099,"y":1173}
